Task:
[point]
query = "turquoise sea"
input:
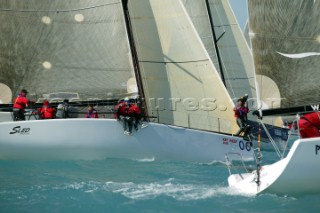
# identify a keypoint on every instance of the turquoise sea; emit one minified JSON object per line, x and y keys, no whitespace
{"x":133,"y":185}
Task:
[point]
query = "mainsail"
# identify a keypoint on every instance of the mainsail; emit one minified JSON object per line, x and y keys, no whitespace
{"x":285,"y":39}
{"x":181,"y":84}
{"x":65,"y":46}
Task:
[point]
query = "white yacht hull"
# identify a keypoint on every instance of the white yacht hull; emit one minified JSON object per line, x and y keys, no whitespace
{"x":5,"y":116}
{"x":296,"y":174}
{"x":90,"y":139}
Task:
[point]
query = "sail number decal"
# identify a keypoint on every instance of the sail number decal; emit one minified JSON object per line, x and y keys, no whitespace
{"x":20,"y":131}
{"x":317,"y":149}
{"x":242,"y":145}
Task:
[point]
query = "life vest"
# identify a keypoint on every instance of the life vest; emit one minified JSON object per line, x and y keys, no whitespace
{"x":123,"y":109}
{"x":20,"y":102}
{"x":134,"y":109}
{"x":240,"y":112}
{"x":47,"y":112}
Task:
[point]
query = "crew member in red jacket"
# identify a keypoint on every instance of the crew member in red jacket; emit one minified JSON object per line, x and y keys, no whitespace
{"x":92,"y":113}
{"x":47,"y":112}
{"x":309,"y":125}
{"x":20,"y":103}
{"x":120,"y":109}
{"x":240,"y":112}
{"x":135,"y":113}
{"x":122,"y":113}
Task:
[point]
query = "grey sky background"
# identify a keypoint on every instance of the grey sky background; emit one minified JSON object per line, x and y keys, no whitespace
{"x":240,"y":9}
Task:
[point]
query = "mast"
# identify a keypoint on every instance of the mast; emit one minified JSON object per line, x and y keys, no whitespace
{"x":215,"y":41}
{"x":134,"y":56}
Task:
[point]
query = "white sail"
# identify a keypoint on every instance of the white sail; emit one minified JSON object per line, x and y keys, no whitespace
{"x":235,"y":55}
{"x":237,"y":60}
{"x":198,"y":13}
{"x":64,"y":46}
{"x":176,"y":69}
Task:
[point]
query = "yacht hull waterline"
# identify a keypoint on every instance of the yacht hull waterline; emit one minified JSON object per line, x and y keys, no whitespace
{"x":296,"y":174}
{"x":94,"y":139}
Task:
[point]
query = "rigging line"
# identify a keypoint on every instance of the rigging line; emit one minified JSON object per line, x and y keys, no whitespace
{"x":174,"y":62}
{"x":62,"y":11}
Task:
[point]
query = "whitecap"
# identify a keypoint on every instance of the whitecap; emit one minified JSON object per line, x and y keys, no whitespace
{"x":214,"y":163}
{"x":145,"y":159}
{"x":170,"y":188}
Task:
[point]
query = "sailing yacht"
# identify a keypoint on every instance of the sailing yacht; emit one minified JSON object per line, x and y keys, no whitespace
{"x":104,"y":50}
{"x":285,"y":46}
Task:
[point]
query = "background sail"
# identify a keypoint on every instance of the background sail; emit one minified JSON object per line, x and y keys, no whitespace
{"x":181,"y":85}
{"x":278,"y":30}
{"x":64,"y":46}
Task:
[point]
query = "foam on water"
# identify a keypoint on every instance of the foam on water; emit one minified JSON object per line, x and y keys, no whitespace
{"x":145,"y":159}
{"x":214,"y":163}
{"x":140,"y":191}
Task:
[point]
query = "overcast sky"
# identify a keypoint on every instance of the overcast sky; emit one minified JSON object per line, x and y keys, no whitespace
{"x":240,"y":9}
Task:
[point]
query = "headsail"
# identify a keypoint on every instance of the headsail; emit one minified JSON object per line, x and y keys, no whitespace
{"x":235,"y":54}
{"x":285,"y":38}
{"x":181,"y":83}
{"x":225,"y":43}
{"x":65,"y":46}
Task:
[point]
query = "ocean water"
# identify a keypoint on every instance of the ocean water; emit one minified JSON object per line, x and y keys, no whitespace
{"x":132,"y":185}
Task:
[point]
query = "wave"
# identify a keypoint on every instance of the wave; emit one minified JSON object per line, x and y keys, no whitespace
{"x":214,"y":163}
{"x":170,"y":188}
{"x":145,"y":159}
